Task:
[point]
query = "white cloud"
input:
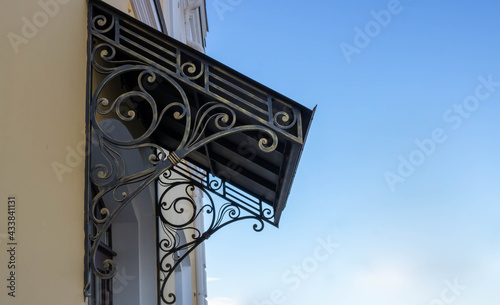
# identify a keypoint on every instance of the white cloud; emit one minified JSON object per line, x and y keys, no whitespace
{"x":384,"y":282}
{"x":213,"y":279}
{"x":385,"y":279}
{"x":222,"y":301}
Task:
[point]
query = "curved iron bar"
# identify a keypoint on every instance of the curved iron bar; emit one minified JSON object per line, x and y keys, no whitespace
{"x":191,"y":71}
{"x":112,"y":176}
{"x":101,"y":25}
{"x":221,"y":216}
{"x":107,"y":54}
{"x":144,"y":70}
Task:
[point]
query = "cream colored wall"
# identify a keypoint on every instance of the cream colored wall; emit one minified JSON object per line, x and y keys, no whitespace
{"x":42,"y":116}
{"x":42,"y":119}
{"x":123,"y":5}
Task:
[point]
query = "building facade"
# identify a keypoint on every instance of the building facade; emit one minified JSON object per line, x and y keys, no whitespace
{"x":43,"y":121}
{"x":104,"y":197}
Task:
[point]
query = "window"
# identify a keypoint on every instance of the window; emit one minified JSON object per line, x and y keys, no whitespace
{"x":184,"y":20}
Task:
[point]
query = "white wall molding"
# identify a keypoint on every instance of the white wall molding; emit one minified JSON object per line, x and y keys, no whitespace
{"x":145,"y":11}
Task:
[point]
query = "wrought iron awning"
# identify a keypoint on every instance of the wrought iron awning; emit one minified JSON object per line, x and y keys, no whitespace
{"x":244,"y":139}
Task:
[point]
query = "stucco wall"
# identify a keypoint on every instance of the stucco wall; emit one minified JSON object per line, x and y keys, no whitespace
{"x":42,"y":119}
{"x":123,"y":5}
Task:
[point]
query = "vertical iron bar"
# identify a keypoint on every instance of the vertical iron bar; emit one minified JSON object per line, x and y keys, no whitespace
{"x":88,"y":93}
{"x":117,"y":30}
{"x":157,"y":216}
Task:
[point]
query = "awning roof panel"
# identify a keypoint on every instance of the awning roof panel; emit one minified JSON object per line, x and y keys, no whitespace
{"x":235,"y":157}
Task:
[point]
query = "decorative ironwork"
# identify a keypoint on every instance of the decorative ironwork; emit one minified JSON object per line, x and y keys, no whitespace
{"x":176,"y":103}
{"x":111,"y":178}
{"x":121,"y":42}
{"x":177,"y":216}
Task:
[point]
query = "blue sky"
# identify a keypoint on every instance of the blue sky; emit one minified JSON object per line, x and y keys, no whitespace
{"x":418,"y":102}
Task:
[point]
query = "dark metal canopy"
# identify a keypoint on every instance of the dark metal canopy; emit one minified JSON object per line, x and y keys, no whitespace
{"x":264,"y":173}
{"x":155,"y":101}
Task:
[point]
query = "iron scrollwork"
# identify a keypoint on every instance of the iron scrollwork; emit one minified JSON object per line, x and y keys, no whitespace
{"x":146,"y":84}
{"x":177,"y":216}
{"x":109,"y":172}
